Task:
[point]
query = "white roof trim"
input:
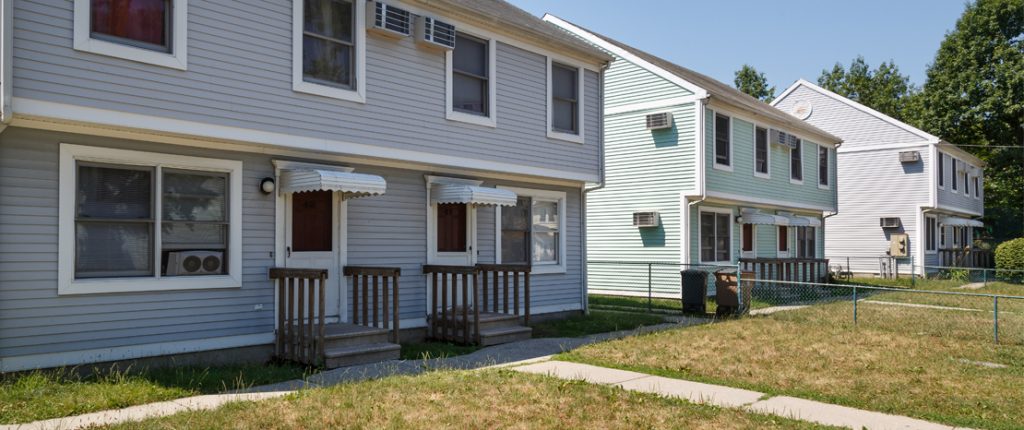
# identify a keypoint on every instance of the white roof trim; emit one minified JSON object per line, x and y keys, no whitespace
{"x":473,"y":195}
{"x":603,"y":44}
{"x":960,"y":222}
{"x":753,"y":216}
{"x":352,"y":184}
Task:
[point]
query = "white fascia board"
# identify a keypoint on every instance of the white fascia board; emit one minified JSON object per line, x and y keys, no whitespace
{"x":622,"y":53}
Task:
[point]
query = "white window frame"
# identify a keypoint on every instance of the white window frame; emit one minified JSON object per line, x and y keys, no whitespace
{"x":967,"y":179}
{"x":561,"y":135}
{"x":491,"y":120}
{"x":977,"y":187}
{"x":753,"y":242}
{"x":941,"y":174}
{"x":933,"y":230}
{"x":789,"y":242}
{"x":67,"y":284}
{"x":955,"y":177}
{"x":537,"y":195}
{"x":814,"y":236}
{"x":714,"y":142}
{"x":177,"y":58}
{"x":789,"y":163}
{"x":828,"y":167}
{"x":768,"y":136}
{"x":300,"y":85}
{"x":732,"y":235}
{"x":942,"y":236}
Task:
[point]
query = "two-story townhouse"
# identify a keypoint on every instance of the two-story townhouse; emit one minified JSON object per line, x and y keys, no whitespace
{"x":896,"y":180}
{"x":699,"y":174}
{"x":158,"y":158}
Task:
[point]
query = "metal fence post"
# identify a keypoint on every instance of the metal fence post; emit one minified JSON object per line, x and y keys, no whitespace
{"x":913,"y":272}
{"x":854,"y":305}
{"x":739,"y":290}
{"x":995,"y":317}
{"x":984,"y":277}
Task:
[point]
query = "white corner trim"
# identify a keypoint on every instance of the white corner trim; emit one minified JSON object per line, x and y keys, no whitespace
{"x":622,"y":53}
{"x":73,"y":358}
{"x":491,"y":120}
{"x":41,"y":114}
{"x":66,"y":282}
{"x":176,"y":59}
{"x":299,"y":84}
{"x":545,"y":195}
{"x":580,"y":103}
{"x":6,"y":61}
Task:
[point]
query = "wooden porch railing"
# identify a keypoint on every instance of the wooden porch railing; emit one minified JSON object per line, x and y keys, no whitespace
{"x":966,"y":257}
{"x":787,"y":269}
{"x":300,"y":314}
{"x":445,"y":323}
{"x":375,"y":292}
{"x":501,"y":295}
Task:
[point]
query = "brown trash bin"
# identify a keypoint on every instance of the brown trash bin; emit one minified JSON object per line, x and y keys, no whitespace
{"x":726,"y":295}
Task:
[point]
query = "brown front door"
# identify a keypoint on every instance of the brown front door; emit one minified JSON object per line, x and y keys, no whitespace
{"x":451,"y":227}
{"x":313,"y":220}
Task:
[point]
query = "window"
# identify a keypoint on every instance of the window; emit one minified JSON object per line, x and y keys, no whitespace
{"x":748,"y":239}
{"x":977,"y":187}
{"x":942,"y":170}
{"x":964,"y":237}
{"x":805,"y":246}
{"x":796,"y":164}
{"x":147,"y":31}
{"x":956,"y":173}
{"x":942,"y":236}
{"x":822,"y":167}
{"x":929,"y":231}
{"x":130,"y":222}
{"x":783,"y":238}
{"x":723,"y":142}
{"x":531,"y":231}
{"x":328,"y":48}
{"x":956,"y":236}
{"x":761,"y":152}
{"x":470,"y":89}
{"x":565,"y":106}
{"x":967,"y":184}
{"x":715,"y":237}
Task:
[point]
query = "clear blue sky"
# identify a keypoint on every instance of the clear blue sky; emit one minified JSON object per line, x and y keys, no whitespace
{"x":785,"y":39}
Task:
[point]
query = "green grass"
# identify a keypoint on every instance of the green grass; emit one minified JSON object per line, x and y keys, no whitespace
{"x":60,"y":393}
{"x":596,"y":322}
{"x":430,"y":350}
{"x":472,"y":400}
{"x":918,"y":362}
{"x":675,"y":306}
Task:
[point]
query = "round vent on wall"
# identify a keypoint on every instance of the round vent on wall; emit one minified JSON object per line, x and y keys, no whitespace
{"x":802,"y":109}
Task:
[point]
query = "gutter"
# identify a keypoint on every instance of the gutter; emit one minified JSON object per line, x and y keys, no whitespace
{"x":586,"y":190}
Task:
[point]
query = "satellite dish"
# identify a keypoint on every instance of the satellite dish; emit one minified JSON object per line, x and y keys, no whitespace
{"x":802,"y":109}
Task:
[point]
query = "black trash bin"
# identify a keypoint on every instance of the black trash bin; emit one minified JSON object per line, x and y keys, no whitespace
{"x":695,"y":291}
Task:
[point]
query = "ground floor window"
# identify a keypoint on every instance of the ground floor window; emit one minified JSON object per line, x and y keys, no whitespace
{"x":805,"y":242}
{"x":532,"y":231}
{"x":929,"y":233}
{"x":715,"y":236}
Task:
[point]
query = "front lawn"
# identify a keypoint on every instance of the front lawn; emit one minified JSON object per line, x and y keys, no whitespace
{"x":470,"y":400}
{"x":431,"y":350}
{"x":596,"y":322}
{"x":934,"y":364}
{"x":61,"y":393}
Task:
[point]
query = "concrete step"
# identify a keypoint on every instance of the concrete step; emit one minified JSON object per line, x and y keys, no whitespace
{"x":361,"y":354}
{"x":500,"y":335}
{"x":342,"y":335}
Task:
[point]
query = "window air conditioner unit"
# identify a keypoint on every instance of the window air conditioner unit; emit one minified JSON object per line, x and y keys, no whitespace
{"x":910,"y":156}
{"x":435,"y":34}
{"x":889,"y":222}
{"x":195,"y":263}
{"x":645,"y":219}
{"x":659,"y":121}
{"x":387,"y":20}
{"x":780,"y":137}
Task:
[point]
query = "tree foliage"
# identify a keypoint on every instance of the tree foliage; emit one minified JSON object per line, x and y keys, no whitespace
{"x":754,"y":83}
{"x":884,"y":89}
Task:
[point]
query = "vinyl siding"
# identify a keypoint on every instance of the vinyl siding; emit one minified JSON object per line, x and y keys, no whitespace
{"x":240,"y":74}
{"x":958,"y":200}
{"x":853,"y":125}
{"x":766,"y":245}
{"x":627,"y":83}
{"x":388,"y":230}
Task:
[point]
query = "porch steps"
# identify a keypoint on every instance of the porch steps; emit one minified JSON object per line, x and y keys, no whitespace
{"x":349,"y":345}
{"x":500,"y":335}
{"x":495,"y":328}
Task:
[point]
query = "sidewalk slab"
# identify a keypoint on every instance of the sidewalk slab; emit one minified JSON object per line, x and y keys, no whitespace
{"x":695,"y":392}
{"x":829,"y":414}
{"x":584,"y":372}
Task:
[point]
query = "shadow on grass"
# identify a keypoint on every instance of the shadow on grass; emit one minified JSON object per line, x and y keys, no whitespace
{"x":597,"y":322}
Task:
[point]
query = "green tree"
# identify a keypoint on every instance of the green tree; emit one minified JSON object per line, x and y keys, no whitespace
{"x":884,"y":89}
{"x":974,"y":95}
{"x":754,"y":83}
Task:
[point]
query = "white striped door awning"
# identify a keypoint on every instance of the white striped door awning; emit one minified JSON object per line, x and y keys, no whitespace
{"x":802,"y":221}
{"x":761,"y":218}
{"x":953,"y":221}
{"x":352,"y":184}
{"x":472,"y":195}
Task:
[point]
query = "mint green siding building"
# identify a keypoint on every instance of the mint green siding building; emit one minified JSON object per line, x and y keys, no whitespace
{"x":698,"y":174}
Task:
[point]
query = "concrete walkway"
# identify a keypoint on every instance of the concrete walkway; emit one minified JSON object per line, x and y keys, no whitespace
{"x":717,"y":395}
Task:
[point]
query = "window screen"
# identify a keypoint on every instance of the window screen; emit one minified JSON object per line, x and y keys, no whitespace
{"x":722,"y":140}
{"x":328,"y":42}
{"x":761,"y":150}
{"x":470,"y":75}
{"x":113,"y":221}
{"x":564,"y":98}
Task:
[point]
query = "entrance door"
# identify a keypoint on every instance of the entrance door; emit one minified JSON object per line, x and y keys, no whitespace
{"x":312,"y":240}
{"x":453,"y":234}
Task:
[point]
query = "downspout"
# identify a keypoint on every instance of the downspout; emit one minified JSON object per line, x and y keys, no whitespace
{"x":699,"y":177}
{"x":6,"y":60}
{"x":586,"y":190}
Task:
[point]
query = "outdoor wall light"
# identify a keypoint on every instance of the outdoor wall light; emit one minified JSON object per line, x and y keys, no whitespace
{"x":267,"y":185}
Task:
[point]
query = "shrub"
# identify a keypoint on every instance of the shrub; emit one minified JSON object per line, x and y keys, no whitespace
{"x":1010,"y":257}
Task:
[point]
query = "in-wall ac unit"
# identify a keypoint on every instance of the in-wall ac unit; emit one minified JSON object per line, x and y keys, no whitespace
{"x":889,"y":222}
{"x":910,"y":156}
{"x":659,"y":121}
{"x":645,"y":219}
{"x":435,"y":34}
{"x":388,"y":20}
{"x":181,"y":263}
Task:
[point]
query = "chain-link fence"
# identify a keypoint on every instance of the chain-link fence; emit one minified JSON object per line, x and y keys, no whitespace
{"x":655,"y":286}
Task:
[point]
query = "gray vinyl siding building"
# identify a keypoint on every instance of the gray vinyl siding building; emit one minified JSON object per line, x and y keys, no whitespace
{"x":235,"y":101}
{"x":875,"y":183}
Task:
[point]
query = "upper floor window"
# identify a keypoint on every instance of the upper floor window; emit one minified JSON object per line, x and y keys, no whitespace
{"x":967,"y":183}
{"x":956,"y":179}
{"x":796,"y":163}
{"x":328,"y":48}
{"x":723,"y":141}
{"x":977,"y":187}
{"x":823,"y":166}
{"x":147,"y":31}
{"x":565,"y":95}
{"x":941,"y":164}
{"x":761,"y":151}
{"x":471,"y":80}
